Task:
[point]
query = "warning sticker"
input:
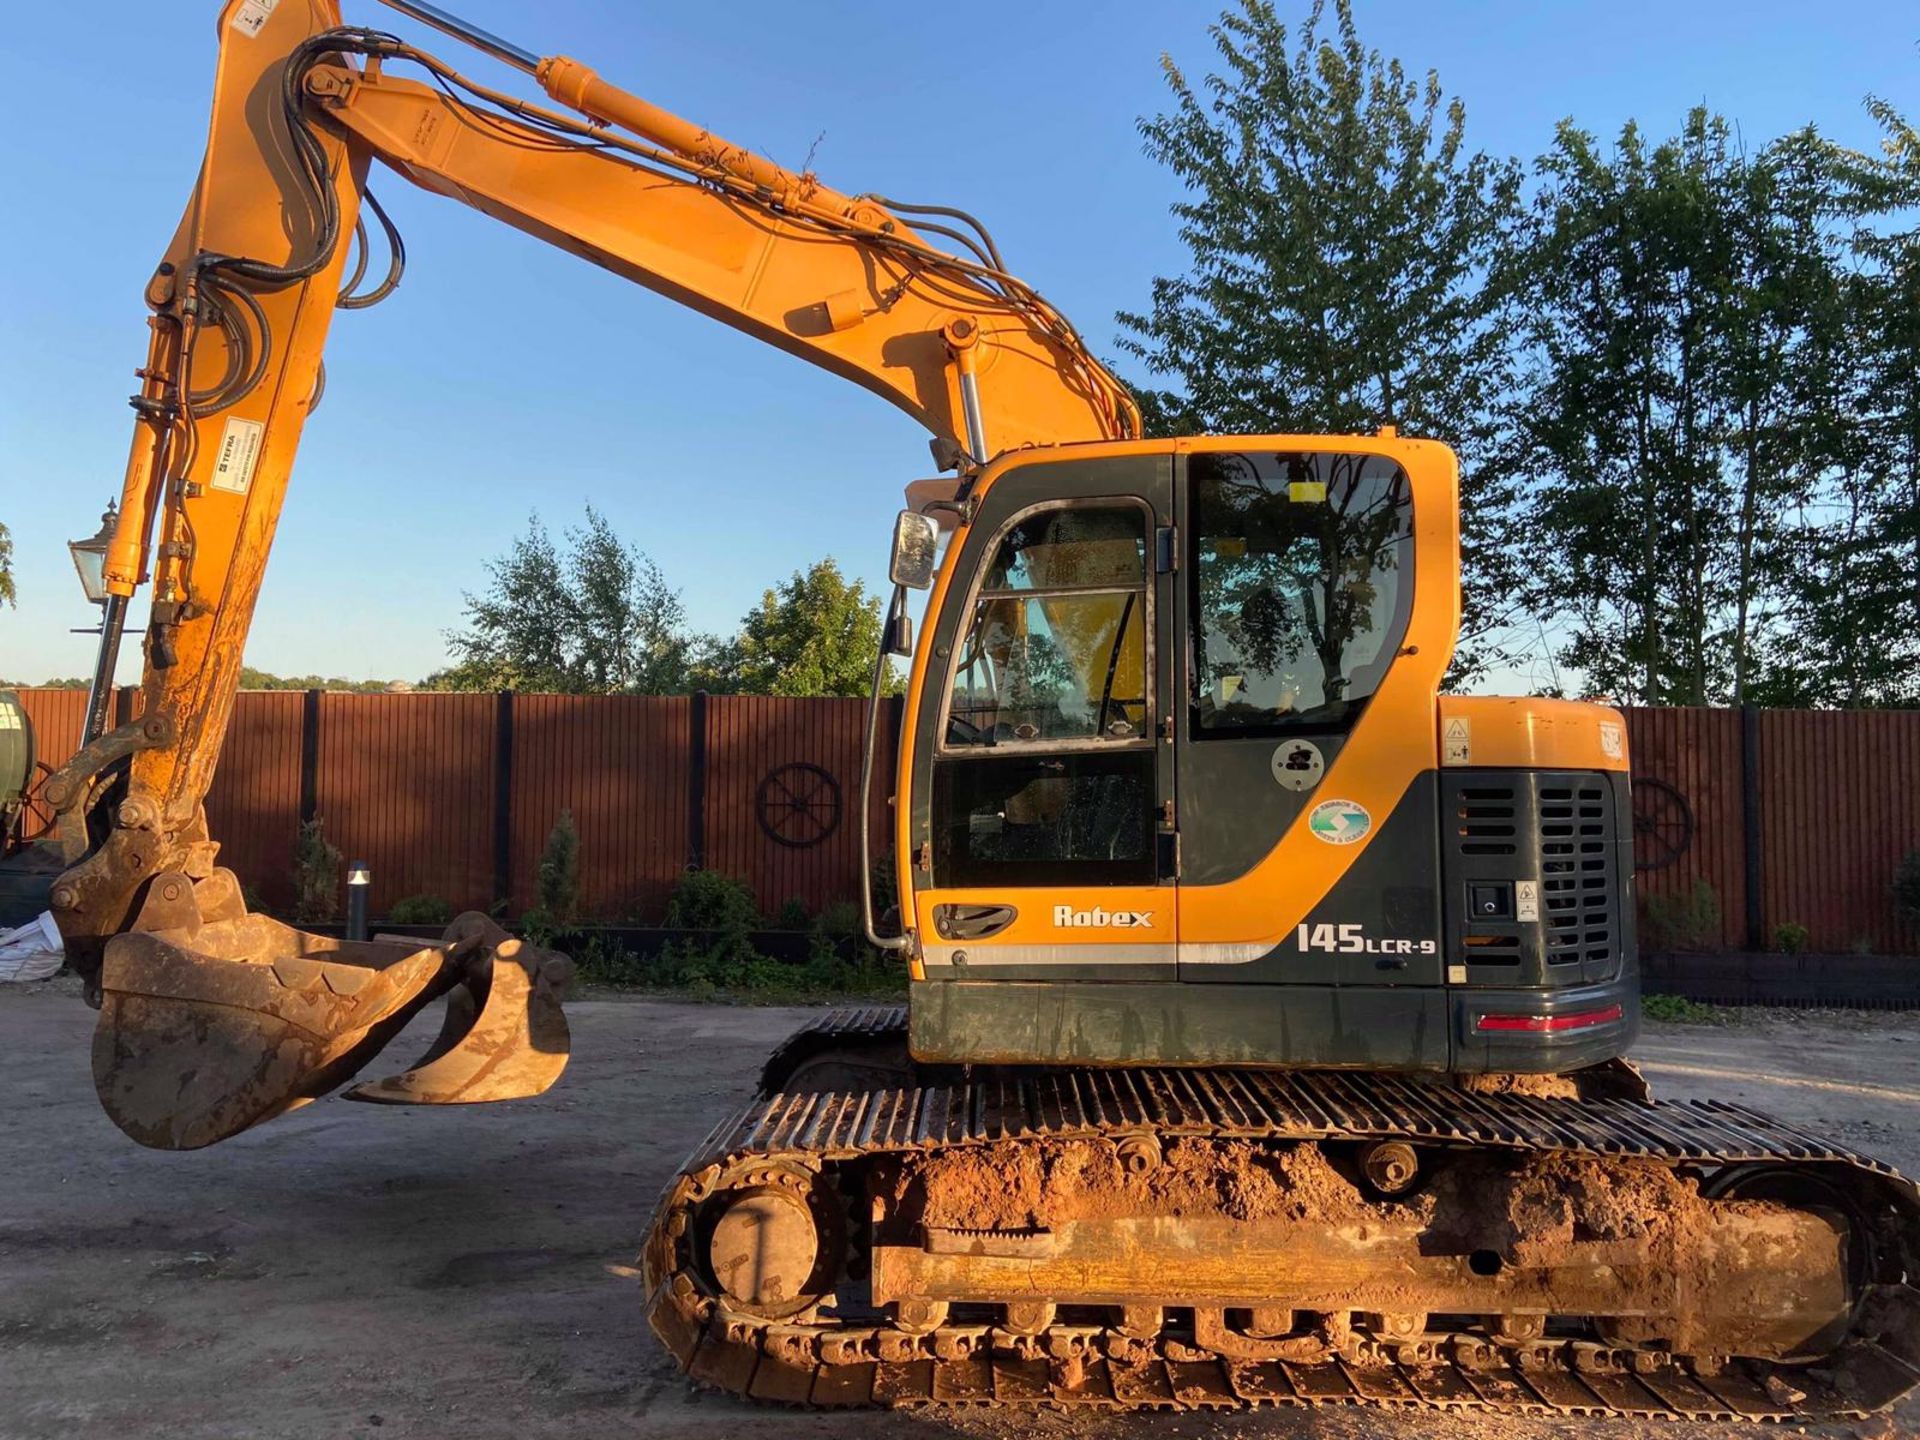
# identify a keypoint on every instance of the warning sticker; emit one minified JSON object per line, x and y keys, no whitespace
{"x":1307,"y":492}
{"x":1526,"y":899}
{"x":1613,"y":744}
{"x":252,"y":15}
{"x":239,"y":453}
{"x":1456,"y":741}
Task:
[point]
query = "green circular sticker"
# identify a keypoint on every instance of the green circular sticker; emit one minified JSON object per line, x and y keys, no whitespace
{"x":1340,"y":822}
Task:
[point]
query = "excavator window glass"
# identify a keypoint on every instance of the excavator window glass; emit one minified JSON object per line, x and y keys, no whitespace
{"x":1056,"y":644}
{"x":1046,"y":774}
{"x":1301,"y":569}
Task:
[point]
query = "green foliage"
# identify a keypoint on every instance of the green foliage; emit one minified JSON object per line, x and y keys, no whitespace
{"x":723,"y":955}
{"x":793,"y":915}
{"x":594,"y":618}
{"x":252,"y":679}
{"x":316,"y":874}
{"x":709,"y":900}
{"x":1790,"y":938}
{"x":8,"y":595}
{"x":1684,"y":922}
{"x":884,"y":885}
{"x":1344,"y":269}
{"x":1678,"y":1010}
{"x":1906,"y":887}
{"x":815,"y":634}
{"x":1723,"y":346}
{"x":556,"y":878}
{"x":721,"y":959}
{"x":419,"y":910}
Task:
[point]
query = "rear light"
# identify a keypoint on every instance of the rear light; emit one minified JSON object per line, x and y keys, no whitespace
{"x":1540,"y":1024}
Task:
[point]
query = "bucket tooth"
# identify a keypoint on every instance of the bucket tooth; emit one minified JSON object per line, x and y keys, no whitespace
{"x":505,"y":1036}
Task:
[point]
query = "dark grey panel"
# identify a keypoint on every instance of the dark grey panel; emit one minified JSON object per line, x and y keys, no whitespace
{"x":1019,"y":1023}
{"x":1558,"y":831}
{"x":1391,"y":891}
{"x":1232,"y":811}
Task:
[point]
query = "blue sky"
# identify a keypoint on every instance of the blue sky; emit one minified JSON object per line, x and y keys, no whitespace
{"x":505,"y":377}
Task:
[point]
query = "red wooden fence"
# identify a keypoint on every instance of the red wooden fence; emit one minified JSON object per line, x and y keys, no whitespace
{"x":454,"y":795}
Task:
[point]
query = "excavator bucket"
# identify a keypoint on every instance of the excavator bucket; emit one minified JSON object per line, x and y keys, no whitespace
{"x":209,"y":1029}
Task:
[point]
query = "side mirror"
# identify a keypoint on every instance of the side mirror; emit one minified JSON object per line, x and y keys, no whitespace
{"x":899,"y":639}
{"x":915,"y":539}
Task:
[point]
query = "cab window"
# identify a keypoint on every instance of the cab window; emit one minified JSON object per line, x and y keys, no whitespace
{"x":1301,"y":576}
{"x":1055,"y":648}
{"x":1046,"y":771}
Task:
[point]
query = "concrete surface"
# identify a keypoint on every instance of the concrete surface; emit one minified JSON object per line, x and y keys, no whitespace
{"x":368,"y":1271}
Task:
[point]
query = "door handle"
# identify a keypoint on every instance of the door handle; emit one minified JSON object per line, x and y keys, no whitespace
{"x":971,"y":922}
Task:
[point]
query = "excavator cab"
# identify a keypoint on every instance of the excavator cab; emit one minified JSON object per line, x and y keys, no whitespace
{"x":1178,"y":786}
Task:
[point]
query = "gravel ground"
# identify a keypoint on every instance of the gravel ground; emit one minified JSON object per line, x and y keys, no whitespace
{"x":361,"y":1270}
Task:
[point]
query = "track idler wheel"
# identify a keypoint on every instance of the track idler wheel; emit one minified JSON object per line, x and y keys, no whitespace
{"x":773,"y":1240}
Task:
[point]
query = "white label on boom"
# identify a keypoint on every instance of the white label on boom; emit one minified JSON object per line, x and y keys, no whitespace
{"x":239,"y":453}
{"x":252,"y":15}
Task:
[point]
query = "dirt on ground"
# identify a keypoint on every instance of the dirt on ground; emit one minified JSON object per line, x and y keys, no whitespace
{"x":374,"y":1271}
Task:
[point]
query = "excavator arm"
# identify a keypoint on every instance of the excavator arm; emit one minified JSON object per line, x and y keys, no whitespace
{"x":214,"y":1018}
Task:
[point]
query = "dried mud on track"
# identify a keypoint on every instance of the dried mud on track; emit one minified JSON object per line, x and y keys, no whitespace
{"x":357,"y":1270}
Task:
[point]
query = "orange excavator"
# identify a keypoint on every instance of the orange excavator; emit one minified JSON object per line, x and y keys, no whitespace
{"x":1266,"y":1007}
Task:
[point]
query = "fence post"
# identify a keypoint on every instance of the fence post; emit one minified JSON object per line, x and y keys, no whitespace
{"x":1750,"y":827}
{"x":310,"y":757}
{"x":697,"y":781}
{"x":503,"y":797}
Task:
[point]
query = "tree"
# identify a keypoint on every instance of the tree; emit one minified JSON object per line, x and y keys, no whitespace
{"x":8,"y":596}
{"x":1344,"y":270}
{"x":597,"y":618}
{"x":1859,"y":638}
{"x":1701,"y":345}
{"x":252,"y":679}
{"x":813,"y":635}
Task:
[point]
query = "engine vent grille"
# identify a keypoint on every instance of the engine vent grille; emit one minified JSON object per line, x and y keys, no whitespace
{"x":1508,"y":831}
{"x":1576,"y":872}
{"x":1488,"y":822}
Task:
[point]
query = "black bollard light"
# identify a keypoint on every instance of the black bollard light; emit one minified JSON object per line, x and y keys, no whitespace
{"x":359,"y":881}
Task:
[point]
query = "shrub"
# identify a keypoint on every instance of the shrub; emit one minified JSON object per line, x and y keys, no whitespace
{"x":723,"y":909}
{"x":1679,"y":1010}
{"x":1684,"y":922}
{"x":557,"y":879}
{"x":419,"y":910}
{"x":882,"y":883}
{"x":1906,"y":888}
{"x":791,"y":916}
{"x":709,"y":900}
{"x":720,"y":958}
{"x":841,"y":920}
{"x":316,"y":874}
{"x":1789,"y":938}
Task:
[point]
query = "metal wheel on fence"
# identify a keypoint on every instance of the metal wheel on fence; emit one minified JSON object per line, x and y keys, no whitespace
{"x":1662,"y":824}
{"x":32,"y":818}
{"x":798,"y":805}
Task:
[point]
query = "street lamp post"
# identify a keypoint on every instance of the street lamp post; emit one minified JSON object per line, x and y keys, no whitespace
{"x":90,"y":559}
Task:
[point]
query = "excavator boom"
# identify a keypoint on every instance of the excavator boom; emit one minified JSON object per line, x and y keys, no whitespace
{"x":302,"y":109}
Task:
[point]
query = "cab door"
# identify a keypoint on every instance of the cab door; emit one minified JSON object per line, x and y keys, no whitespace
{"x":1308,"y":831}
{"x":1042,"y":830}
